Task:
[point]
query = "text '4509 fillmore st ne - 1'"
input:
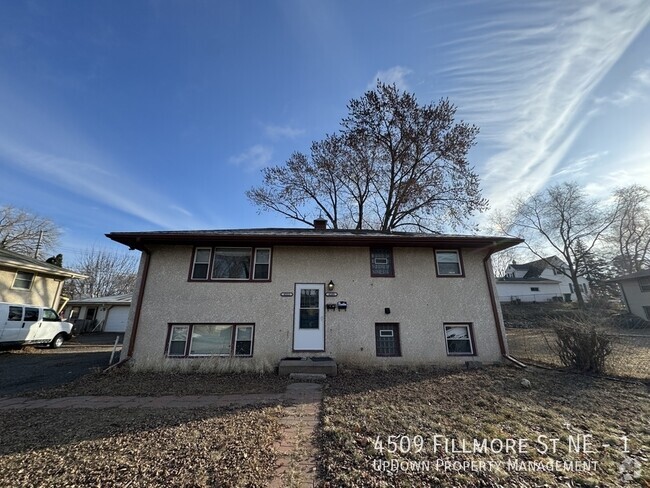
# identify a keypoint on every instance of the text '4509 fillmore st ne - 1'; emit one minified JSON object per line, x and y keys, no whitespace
{"x":357,"y":296}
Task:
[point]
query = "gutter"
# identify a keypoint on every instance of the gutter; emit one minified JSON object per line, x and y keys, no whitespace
{"x":497,"y":320}
{"x":146,"y":254}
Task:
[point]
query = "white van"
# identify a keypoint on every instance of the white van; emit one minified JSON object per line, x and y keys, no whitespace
{"x":29,"y":324}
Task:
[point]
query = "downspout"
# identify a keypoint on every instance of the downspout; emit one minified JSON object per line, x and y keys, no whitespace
{"x":497,"y":320}
{"x":136,"y":316}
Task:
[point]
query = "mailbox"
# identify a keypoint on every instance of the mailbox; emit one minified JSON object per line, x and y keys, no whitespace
{"x":342,"y":306}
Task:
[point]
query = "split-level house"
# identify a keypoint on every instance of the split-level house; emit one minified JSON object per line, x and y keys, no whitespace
{"x":539,"y":281}
{"x":29,"y":281}
{"x":357,"y":296}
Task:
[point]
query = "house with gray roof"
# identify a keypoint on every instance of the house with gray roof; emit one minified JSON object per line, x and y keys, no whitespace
{"x":542,"y":280}
{"x":264,"y":296}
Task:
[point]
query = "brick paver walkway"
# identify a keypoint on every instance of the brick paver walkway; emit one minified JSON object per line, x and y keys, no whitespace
{"x":297,"y":449}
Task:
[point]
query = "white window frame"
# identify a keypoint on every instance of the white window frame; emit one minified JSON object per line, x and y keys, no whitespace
{"x":31,"y":281}
{"x":171,"y":335}
{"x":268,"y":271}
{"x":194,"y":263}
{"x":234,"y":346}
{"x":449,"y":251}
{"x":469,"y":337}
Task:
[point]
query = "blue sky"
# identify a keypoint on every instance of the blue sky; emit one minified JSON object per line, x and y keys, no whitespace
{"x":133,"y":115}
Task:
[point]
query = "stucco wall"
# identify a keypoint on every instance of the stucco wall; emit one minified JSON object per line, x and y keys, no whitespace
{"x":419,"y":301}
{"x":635,"y":298}
{"x":44,"y":291}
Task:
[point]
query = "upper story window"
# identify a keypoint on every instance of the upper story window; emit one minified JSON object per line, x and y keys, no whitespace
{"x":23,"y":280}
{"x":381,"y":262}
{"x":448,"y":263}
{"x":231,"y":264}
{"x":644,"y":283}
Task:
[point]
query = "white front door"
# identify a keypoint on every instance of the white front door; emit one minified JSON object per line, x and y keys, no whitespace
{"x":309,"y":318}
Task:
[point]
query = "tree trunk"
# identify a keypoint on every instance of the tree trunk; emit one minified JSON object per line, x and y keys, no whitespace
{"x":576,"y":287}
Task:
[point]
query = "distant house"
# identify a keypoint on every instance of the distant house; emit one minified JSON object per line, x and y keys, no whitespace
{"x":539,"y":281}
{"x":635,"y":289}
{"x":357,"y":296}
{"x":30,"y":281}
{"x":103,"y":314}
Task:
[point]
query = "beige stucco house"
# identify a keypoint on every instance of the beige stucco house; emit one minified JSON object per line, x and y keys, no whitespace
{"x":635,"y":290}
{"x":363,"y":297}
{"x":30,"y":281}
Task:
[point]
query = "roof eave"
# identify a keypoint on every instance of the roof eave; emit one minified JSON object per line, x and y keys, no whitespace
{"x":140,"y":241}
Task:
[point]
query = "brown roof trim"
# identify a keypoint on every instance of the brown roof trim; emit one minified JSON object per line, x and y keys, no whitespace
{"x":296,"y":237}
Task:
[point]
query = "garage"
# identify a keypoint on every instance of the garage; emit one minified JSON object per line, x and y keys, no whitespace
{"x":99,"y":314}
{"x":117,"y":319}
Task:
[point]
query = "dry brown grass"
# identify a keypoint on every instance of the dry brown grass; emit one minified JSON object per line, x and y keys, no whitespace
{"x":630,"y":356}
{"x":138,"y":447}
{"x":479,"y":404}
{"x":123,"y":381}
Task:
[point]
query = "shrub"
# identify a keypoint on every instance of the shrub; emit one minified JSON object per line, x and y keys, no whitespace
{"x":582,"y":347}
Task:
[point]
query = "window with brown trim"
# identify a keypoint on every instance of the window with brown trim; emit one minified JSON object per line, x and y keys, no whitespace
{"x":448,"y":263}
{"x":202,"y":340}
{"x":387,"y":340}
{"x":231,"y":264}
{"x":381,"y":262}
{"x":459,"y":339}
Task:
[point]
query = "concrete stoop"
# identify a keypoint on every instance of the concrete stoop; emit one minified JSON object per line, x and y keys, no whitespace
{"x":308,"y":365}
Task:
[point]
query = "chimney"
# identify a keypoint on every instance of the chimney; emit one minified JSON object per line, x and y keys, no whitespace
{"x":320,"y":223}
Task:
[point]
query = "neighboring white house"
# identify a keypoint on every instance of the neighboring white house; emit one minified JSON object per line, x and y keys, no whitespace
{"x":539,"y":281}
{"x":105,"y":314}
{"x":357,"y":296}
{"x":635,"y":289}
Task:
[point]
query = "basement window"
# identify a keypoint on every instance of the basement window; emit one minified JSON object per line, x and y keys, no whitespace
{"x":534,"y":288}
{"x":206,"y":340}
{"x":387,"y":340}
{"x":459,"y":339}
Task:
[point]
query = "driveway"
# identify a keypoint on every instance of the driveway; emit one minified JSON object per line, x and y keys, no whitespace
{"x":34,"y":368}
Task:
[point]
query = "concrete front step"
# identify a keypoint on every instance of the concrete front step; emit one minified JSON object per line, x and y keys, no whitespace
{"x":307,"y":365}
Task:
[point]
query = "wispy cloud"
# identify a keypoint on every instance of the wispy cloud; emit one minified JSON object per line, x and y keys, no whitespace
{"x":395,"y":75}
{"x":579,"y":167}
{"x":524,"y":76}
{"x":276,"y":132}
{"x":94,"y":181}
{"x":637,"y":89}
{"x":254,"y":158}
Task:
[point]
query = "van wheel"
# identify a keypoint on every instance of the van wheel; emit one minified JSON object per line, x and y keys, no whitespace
{"x":58,"y":341}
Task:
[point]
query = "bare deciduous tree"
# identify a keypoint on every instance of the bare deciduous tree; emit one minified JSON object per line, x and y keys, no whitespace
{"x":629,"y":237}
{"x":21,"y":230}
{"x":109,"y":273}
{"x":394,"y":164}
{"x":563,"y":219}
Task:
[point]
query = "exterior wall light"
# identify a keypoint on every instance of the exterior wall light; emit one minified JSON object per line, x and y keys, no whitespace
{"x":330,"y":286}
